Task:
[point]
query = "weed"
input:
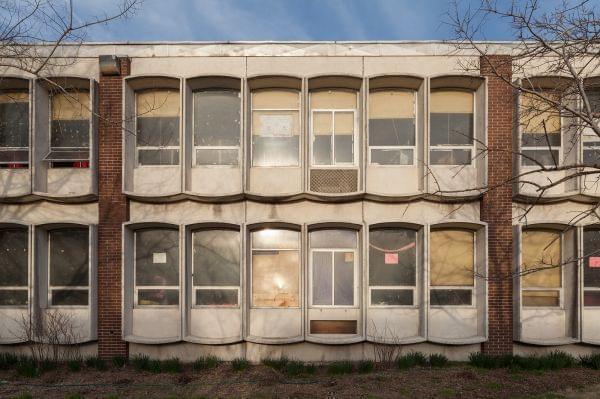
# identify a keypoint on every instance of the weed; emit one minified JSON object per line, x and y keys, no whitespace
{"x":590,"y":361}
{"x":438,"y":360}
{"x":239,"y":364}
{"x":141,"y":362}
{"x":342,"y":367}
{"x":8,"y":360}
{"x":172,"y":365}
{"x":276,"y":364}
{"x":119,"y":361}
{"x":411,"y":359}
{"x":24,"y":395}
{"x":28,"y":368}
{"x":296,"y":367}
{"x":74,"y":396}
{"x":74,"y":365}
{"x":365,"y":366}
{"x":96,"y":362}
{"x":447,"y":392}
{"x":204,"y":363}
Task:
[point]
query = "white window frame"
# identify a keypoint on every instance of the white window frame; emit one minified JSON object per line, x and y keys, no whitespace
{"x":221,"y":147}
{"x":395,"y":147}
{"x":299,"y":110}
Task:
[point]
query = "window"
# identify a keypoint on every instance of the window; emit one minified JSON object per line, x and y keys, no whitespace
{"x":217,"y":123}
{"x":69,"y":267}
{"x":157,"y":127}
{"x":275,"y":128}
{"x":451,"y":267}
{"x":14,"y":129}
{"x":451,"y":127}
{"x":334,"y":273}
{"x":156,"y":267}
{"x":69,"y":129}
{"x":275,"y":268}
{"x":392,"y":266}
{"x":333,"y":126}
{"x":392,"y":127}
{"x":540,"y":130}
{"x":591,"y":267}
{"x":14,"y":275}
{"x":541,"y":277}
{"x":591,"y":141}
{"x":216,"y":273}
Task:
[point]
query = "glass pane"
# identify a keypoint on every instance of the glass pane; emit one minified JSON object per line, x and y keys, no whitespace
{"x":380,"y":156}
{"x":158,"y":103}
{"x":321,"y":279}
{"x":158,"y":157}
{"x":541,"y":257}
{"x":451,"y":297}
{"x":157,"y":297}
{"x":343,"y":290}
{"x":591,"y":260}
{"x":322,"y":123}
{"x":333,"y":99}
{"x":591,"y":156}
{"x":392,"y":118}
{"x":451,"y":257}
{"x":391,"y":297}
{"x":392,"y":257}
{"x":460,"y":129}
{"x":216,"y":257}
{"x":275,"y":151}
{"x":69,"y":297}
{"x":220,"y":297}
{"x":276,"y":99}
{"x":541,"y":298}
{"x":540,"y":140}
{"x":14,"y":257}
{"x":344,"y":123}
{"x":157,"y":131}
{"x":70,"y":124}
{"x":217,"y":118}
{"x":13,"y":297}
{"x":81,"y":155}
{"x":451,"y":118}
{"x":157,"y":257}
{"x":537,"y":114}
{"x":393,"y":132}
{"x":344,"y":151}
{"x":275,"y":239}
{"x":331,"y":238}
{"x":14,"y":156}
{"x":544,"y":157}
{"x":14,"y":120}
{"x":322,"y":150}
{"x":450,"y":157}
{"x":590,"y":298}
{"x":217,"y":157}
{"x":275,"y":123}
{"x":275,"y":278}
{"x":69,"y":257}
{"x":72,"y":105}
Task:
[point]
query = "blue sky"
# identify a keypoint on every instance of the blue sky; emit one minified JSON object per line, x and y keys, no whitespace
{"x":220,"y":20}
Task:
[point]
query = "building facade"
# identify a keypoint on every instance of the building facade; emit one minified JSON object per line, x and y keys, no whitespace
{"x":310,"y":200}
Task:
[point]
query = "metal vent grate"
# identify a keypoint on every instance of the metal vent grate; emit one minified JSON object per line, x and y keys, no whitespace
{"x":334,"y":180}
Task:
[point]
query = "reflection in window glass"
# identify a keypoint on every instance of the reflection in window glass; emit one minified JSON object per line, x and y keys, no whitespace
{"x":14,"y":129}
{"x":591,"y":267}
{"x":275,"y":128}
{"x":451,"y":127}
{"x":217,"y":121}
{"x":591,"y":141}
{"x":540,"y":129}
{"x":69,"y":266}
{"x":541,"y":279}
{"x":70,"y":129}
{"x":451,"y":273}
{"x":157,"y":130}
{"x":14,"y":274}
{"x":157,"y":266}
{"x":275,"y":268}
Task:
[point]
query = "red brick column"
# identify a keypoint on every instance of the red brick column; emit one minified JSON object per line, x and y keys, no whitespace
{"x":113,"y":211}
{"x":496,"y":206}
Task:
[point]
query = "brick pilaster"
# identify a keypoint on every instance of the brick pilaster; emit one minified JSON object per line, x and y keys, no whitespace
{"x":113,"y":211}
{"x":496,"y":206}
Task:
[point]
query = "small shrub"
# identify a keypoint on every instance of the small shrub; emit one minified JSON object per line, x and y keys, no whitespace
{"x":591,"y":361}
{"x":172,"y":365}
{"x":296,"y":368}
{"x":154,"y":366}
{"x":239,"y":364}
{"x":438,"y":360}
{"x":553,"y":361}
{"x":343,"y":367}
{"x":28,"y":368}
{"x":365,"y":366}
{"x":119,"y":361}
{"x":8,"y":360}
{"x":411,"y":359}
{"x":74,"y":365}
{"x":277,"y":364}
{"x":485,"y":361}
{"x":141,"y":362}
{"x":96,"y":363}
{"x":205,"y":363}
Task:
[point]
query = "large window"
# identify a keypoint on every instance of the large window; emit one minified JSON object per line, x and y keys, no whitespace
{"x":541,"y":272}
{"x":157,"y":131}
{"x":68,"y":261}
{"x":275,"y":268}
{"x":334,"y":275}
{"x":451,"y":127}
{"x":392,"y":127}
{"x":216,"y":273}
{"x":13,"y":267}
{"x":217,"y":123}
{"x":14,"y":129}
{"x":451,"y":267}
{"x":591,"y":267}
{"x":275,"y":128}
{"x":392,"y":266}
{"x":69,"y":129}
{"x":156,"y":267}
{"x":591,"y":141}
{"x":540,"y":129}
{"x":333,"y":126}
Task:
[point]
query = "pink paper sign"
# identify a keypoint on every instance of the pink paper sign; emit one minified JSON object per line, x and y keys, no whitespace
{"x":391,"y":259}
{"x":594,"y":261}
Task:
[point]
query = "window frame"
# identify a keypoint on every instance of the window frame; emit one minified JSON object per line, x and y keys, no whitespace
{"x":588,"y":135}
{"x":29,"y":147}
{"x":146,"y":147}
{"x":300,"y":125}
{"x":584,"y":288}
{"x":393,"y":147}
{"x":205,"y":147}
{"x":18,"y":287}
{"x":440,"y":148}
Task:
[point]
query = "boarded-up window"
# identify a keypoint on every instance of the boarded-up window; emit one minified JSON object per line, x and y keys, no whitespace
{"x":157,"y":133}
{"x":69,"y":266}
{"x":392,"y":127}
{"x":216,"y":260}
{"x":14,"y":274}
{"x":591,"y":267}
{"x":275,"y":128}
{"x":70,"y":128}
{"x":540,"y":125}
{"x":157,"y":266}
{"x":217,"y":121}
{"x":541,"y":268}
{"x":451,"y":265}
{"x":275,"y":268}
{"x":333,"y":121}
{"x":451,"y":127}
{"x":14,"y":129}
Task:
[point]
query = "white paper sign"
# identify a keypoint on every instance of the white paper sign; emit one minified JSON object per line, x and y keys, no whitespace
{"x":276,"y":125}
{"x":159,"y":257}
